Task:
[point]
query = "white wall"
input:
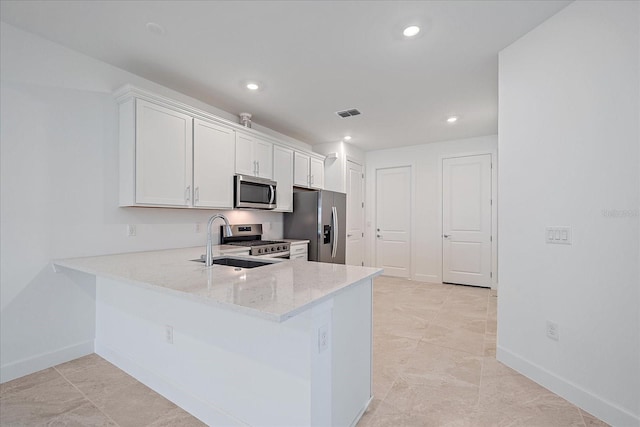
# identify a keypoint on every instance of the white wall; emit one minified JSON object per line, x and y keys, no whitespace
{"x":426,"y":168}
{"x":59,"y":197}
{"x":569,"y":155}
{"x":335,"y":170}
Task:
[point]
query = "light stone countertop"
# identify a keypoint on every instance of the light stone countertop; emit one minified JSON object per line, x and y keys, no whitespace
{"x":294,"y":241}
{"x":274,"y":292}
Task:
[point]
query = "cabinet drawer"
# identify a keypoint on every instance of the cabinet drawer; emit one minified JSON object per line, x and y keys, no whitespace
{"x":298,"y":257}
{"x":298,"y":249}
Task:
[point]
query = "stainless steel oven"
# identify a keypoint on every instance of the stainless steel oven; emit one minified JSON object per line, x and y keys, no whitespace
{"x":254,"y":193}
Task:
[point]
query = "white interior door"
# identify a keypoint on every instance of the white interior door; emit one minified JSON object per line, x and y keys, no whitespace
{"x":355,"y":214}
{"x":393,"y":221}
{"x":466,"y":220}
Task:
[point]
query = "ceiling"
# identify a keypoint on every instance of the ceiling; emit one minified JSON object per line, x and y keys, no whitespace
{"x":311,"y":58}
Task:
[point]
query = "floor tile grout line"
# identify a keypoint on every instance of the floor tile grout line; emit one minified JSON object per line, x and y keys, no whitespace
{"x":86,"y":397}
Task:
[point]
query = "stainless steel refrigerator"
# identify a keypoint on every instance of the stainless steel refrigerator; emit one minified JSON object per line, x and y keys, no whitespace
{"x":320,"y":217}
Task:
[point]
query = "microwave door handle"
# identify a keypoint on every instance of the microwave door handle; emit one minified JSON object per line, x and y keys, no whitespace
{"x":336,"y":232}
{"x":272,"y":190}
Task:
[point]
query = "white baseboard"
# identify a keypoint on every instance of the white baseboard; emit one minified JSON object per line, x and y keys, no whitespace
{"x":431,"y":278}
{"x":607,"y":411}
{"x":205,"y":412}
{"x":361,"y":413}
{"x":23,"y":367}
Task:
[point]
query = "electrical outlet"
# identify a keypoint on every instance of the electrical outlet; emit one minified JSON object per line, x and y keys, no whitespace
{"x":168,"y":334}
{"x":131,"y":230}
{"x":553,"y":330}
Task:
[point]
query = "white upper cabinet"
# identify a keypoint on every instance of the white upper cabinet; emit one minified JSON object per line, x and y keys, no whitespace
{"x":317,"y":173}
{"x":213,"y":149}
{"x":163,"y":155}
{"x":301,"y":170}
{"x":254,"y":156}
{"x":283,"y":175}
{"x":308,"y":171}
{"x":174,"y":155}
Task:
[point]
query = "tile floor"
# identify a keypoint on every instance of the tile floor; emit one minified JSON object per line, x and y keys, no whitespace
{"x":434,"y":365}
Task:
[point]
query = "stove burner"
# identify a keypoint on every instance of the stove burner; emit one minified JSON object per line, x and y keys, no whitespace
{"x":250,"y":236}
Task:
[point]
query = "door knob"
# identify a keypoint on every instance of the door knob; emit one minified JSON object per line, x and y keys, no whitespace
{"x":377,"y":229}
{"x":377,"y":235}
{"x":349,"y":235}
{"x":446,"y":236}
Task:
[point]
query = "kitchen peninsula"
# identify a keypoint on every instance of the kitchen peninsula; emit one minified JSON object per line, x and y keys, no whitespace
{"x":287,"y":343}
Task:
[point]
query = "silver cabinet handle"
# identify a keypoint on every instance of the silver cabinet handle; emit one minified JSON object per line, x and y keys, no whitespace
{"x":187,"y":193}
{"x":258,"y":168}
{"x":196,"y":197}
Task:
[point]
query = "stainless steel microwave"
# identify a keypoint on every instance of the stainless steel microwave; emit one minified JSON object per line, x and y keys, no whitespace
{"x":255,"y":193}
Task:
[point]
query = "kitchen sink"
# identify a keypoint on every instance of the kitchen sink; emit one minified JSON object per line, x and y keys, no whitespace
{"x":237,"y":262}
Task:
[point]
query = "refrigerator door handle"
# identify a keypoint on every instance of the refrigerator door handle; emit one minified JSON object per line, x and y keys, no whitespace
{"x":334,"y":220}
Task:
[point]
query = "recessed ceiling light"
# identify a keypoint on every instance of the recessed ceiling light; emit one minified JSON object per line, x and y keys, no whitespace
{"x":411,"y":31}
{"x":156,"y":28}
{"x":253,"y":86}
{"x":452,"y":119}
{"x":347,"y":138}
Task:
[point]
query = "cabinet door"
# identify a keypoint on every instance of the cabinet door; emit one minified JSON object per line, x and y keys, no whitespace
{"x":213,"y":149}
{"x":163,"y":155}
{"x":245,"y":163}
{"x":301,"y":170}
{"x":317,"y":173}
{"x":263,"y":155}
{"x":283,"y":175}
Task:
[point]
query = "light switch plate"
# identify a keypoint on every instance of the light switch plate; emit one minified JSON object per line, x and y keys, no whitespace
{"x":560,"y":235}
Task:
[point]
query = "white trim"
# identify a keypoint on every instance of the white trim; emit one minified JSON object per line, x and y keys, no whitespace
{"x":27,"y":366}
{"x":590,"y":402}
{"x":362,"y":411}
{"x":204,"y":411}
{"x":431,"y":278}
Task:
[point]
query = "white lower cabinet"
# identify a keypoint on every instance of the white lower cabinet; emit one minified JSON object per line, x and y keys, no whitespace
{"x":213,"y":147}
{"x":299,"y":251}
{"x":283,"y":175}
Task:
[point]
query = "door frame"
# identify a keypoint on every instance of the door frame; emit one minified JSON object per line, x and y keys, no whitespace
{"x":374,"y":210}
{"x":494,"y":209}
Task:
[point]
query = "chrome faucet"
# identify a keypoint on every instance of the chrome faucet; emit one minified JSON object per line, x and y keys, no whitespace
{"x":209,"y":255}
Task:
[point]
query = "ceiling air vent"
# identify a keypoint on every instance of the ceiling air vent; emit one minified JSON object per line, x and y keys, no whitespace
{"x":348,"y":113}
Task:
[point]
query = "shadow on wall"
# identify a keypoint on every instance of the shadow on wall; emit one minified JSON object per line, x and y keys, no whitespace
{"x":65,"y":307}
